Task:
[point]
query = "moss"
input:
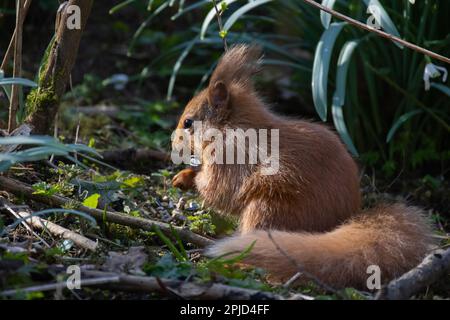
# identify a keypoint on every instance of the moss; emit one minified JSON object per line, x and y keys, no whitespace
{"x":40,"y":98}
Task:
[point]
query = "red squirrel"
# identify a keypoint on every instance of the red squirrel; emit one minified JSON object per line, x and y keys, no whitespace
{"x":312,"y":206}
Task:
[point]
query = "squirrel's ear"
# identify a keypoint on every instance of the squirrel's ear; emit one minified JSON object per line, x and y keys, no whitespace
{"x":218,"y":94}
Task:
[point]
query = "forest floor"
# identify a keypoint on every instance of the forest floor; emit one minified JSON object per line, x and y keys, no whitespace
{"x":33,"y":260}
{"x":35,"y":263}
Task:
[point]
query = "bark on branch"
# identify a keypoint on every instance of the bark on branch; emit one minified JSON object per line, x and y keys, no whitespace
{"x":432,"y":268}
{"x":43,"y":102}
{"x":186,"y":290}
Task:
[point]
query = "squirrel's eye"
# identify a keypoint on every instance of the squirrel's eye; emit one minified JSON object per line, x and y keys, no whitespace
{"x":188,"y":123}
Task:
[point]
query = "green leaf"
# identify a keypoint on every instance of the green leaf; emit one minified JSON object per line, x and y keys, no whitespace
{"x":321,"y":67}
{"x":143,"y":25}
{"x":190,"y":8}
{"x":442,"y":88}
{"x":91,"y":201}
{"x":169,"y":244}
{"x":326,"y":17}
{"x":400,"y":121}
{"x":241,"y":11}
{"x":120,"y":6}
{"x":223,"y":33}
{"x":177,"y":67}
{"x":150,"y":5}
{"x":132,"y":182}
{"x":381,"y":16}
{"x":339,"y":95}
{"x":18,"y":81}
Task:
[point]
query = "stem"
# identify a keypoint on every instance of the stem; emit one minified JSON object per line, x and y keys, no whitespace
{"x":219,"y":21}
{"x":17,"y":72}
{"x":13,"y":38}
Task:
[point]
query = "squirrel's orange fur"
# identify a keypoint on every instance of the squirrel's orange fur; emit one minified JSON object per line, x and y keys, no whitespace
{"x":312,"y":205}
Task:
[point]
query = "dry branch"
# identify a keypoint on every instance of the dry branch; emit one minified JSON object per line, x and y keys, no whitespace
{"x":19,"y":188}
{"x":59,"y":286}
{"x":9,"y":51}
{"x":8,"y":207}
{"x":187,"y":290}
{"x":432,"y":268}
{"x":62,"y":232}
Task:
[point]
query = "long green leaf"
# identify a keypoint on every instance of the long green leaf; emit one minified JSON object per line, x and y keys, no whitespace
{"x":339,"y":95}
{"x":241,"y":11}
{"x":177,"y":67}
{"x":120,"y":6}
{"x":190,"y":8}
{"x":169,"y":244}
{"x":326,"y":17}
{"x":381,"y":16}
{"x":18,"y":81}
{"x":321,"y":67}
{"x":442,"y":88}
{"x":400,"y":121}
{"x":144,"y":24}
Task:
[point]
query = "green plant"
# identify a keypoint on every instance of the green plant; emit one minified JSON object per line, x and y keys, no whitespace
{"x":46,"y":147}
{"x":374,"y":88}
{"x":6,"y":83}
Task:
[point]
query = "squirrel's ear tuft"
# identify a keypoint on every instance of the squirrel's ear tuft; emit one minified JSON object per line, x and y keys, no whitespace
{"x":218,"y":94}
{"x":237,"y":65}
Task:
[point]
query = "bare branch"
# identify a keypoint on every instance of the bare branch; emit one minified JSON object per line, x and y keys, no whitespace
{"x":433,"y":267}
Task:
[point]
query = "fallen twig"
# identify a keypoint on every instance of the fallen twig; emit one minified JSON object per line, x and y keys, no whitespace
{"x":20,"y":188}
{"x":433,"y":267}
{"x":8,"y":208}
{"x":187,"y":290}
{"x":57,"y":230}
{"x":60,"y":285}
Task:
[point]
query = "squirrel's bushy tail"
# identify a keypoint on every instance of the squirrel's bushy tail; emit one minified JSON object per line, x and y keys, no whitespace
{"x":394,"y":237}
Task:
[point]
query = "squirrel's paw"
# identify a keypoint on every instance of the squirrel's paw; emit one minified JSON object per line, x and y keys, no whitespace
{"x":184,"y":179}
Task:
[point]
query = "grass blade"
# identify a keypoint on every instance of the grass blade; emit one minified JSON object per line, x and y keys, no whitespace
{"x":169,"y":244}
{"x":400,"y":121}
{"x":120,"y":6}
{"x":339,"y":95}
{"x":241,"y":11}
{"x":321,"y":67}
{"x":18,"y":81}
{"x":442,"y":88}
{"x":189,"y":8}
{"x":177,"y":67}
